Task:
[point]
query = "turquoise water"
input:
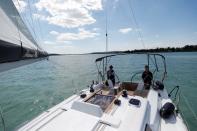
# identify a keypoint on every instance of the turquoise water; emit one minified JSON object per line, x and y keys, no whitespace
{"x":27,"y":91}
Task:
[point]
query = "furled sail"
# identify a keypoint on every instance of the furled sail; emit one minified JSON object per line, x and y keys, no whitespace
{"x":16,"y":41}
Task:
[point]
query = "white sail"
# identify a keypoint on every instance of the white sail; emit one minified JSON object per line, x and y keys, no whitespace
{"x":16,"y":41}
{"x":10,"y":33}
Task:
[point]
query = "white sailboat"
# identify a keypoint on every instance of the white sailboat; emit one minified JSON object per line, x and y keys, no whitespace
{"x":126,"y":106}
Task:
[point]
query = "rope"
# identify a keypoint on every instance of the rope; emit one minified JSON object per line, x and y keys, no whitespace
{"x":39,"y":25}
{"x":187,"y":125}
{"x":136,"y":23}
{"x":31,"y":26}
{"x":181,"y":113}
{"x":30,"y":11}
{"x":189,"y":106}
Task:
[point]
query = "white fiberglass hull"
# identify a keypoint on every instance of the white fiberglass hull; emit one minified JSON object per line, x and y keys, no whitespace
{"x":73,"y":114}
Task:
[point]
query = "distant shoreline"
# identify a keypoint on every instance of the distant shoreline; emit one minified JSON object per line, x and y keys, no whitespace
{"x":187,"y":48}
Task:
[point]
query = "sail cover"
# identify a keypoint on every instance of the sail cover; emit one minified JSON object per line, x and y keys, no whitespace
{"x":16,"y":41}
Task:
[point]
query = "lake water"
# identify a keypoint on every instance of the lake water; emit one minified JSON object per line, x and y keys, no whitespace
{"x":27,"y":91}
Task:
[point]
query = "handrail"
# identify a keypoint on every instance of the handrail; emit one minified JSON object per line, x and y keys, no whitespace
{"x":140,"y":72}
{"x":176,"y":88}
{"x":101,"y":66}
{"x":117,"y":77}
{"x":155,"y":62}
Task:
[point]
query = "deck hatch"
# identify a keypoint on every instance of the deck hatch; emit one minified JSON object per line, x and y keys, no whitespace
{"x":101,"y":100}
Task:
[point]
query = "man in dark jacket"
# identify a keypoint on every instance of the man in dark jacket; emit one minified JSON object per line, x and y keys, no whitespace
{"x":147,"y":77}
{"x":111,"y":74}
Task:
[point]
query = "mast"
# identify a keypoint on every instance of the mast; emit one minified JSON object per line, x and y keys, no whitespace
{"x":106,"y":33}
{"x":106,"y":37}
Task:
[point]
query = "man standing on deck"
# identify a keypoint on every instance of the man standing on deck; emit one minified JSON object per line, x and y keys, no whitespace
{"x":147,"y":77}
{"x":111,"y":74}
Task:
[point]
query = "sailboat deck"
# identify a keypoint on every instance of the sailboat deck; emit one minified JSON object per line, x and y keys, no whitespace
{"x":85,"y":114}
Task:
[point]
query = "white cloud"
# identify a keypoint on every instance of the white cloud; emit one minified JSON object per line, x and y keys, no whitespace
{"x":81,"y":35}
{"x":39,"y":16}
{"x":69,"y":13}
{"x":91,"y":4}
{"x":48,"y":42}
{"x":125,"y":30}
{"x":96,"y":29}
{"x":57,"y":43}
{"x":20,"y":5}
{"x":54,"y":33}
{"x":61,"y":48}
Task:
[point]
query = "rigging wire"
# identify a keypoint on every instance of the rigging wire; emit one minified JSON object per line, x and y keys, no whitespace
{"x":24,"y":16}
{"x":186,"y":102}
{"x":21,"y":43}
{"x":189,"y":106}
{"x":136,"y":23}
{"x":30,"y":15}
{"x":31,"y":26}
{"x":25,"y":19}
{"x":39,"y":24}
{"x":18,"y":26}
{"x":181,"y":113}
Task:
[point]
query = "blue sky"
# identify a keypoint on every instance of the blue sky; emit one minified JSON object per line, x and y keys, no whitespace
{"x":78,"y":26}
